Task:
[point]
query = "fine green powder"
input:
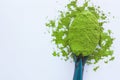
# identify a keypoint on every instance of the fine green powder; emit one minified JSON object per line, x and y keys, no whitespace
{"x":84,"y":33}
{"x":79,"y":31}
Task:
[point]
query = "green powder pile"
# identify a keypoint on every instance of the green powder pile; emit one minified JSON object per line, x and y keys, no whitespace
{"x":79,"y":31}
{"x":84,"y":33}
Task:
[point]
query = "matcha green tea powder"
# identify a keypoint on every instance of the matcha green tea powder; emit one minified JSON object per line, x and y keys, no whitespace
{"x":79,"y":31}
{"x":84,"y":33}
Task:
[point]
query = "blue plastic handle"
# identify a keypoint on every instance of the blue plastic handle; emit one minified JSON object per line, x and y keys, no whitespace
{"x":79,"y":67}
{"x":78,"y":71}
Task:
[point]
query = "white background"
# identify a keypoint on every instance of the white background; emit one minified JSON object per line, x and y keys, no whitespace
{"x":25,"y":46}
